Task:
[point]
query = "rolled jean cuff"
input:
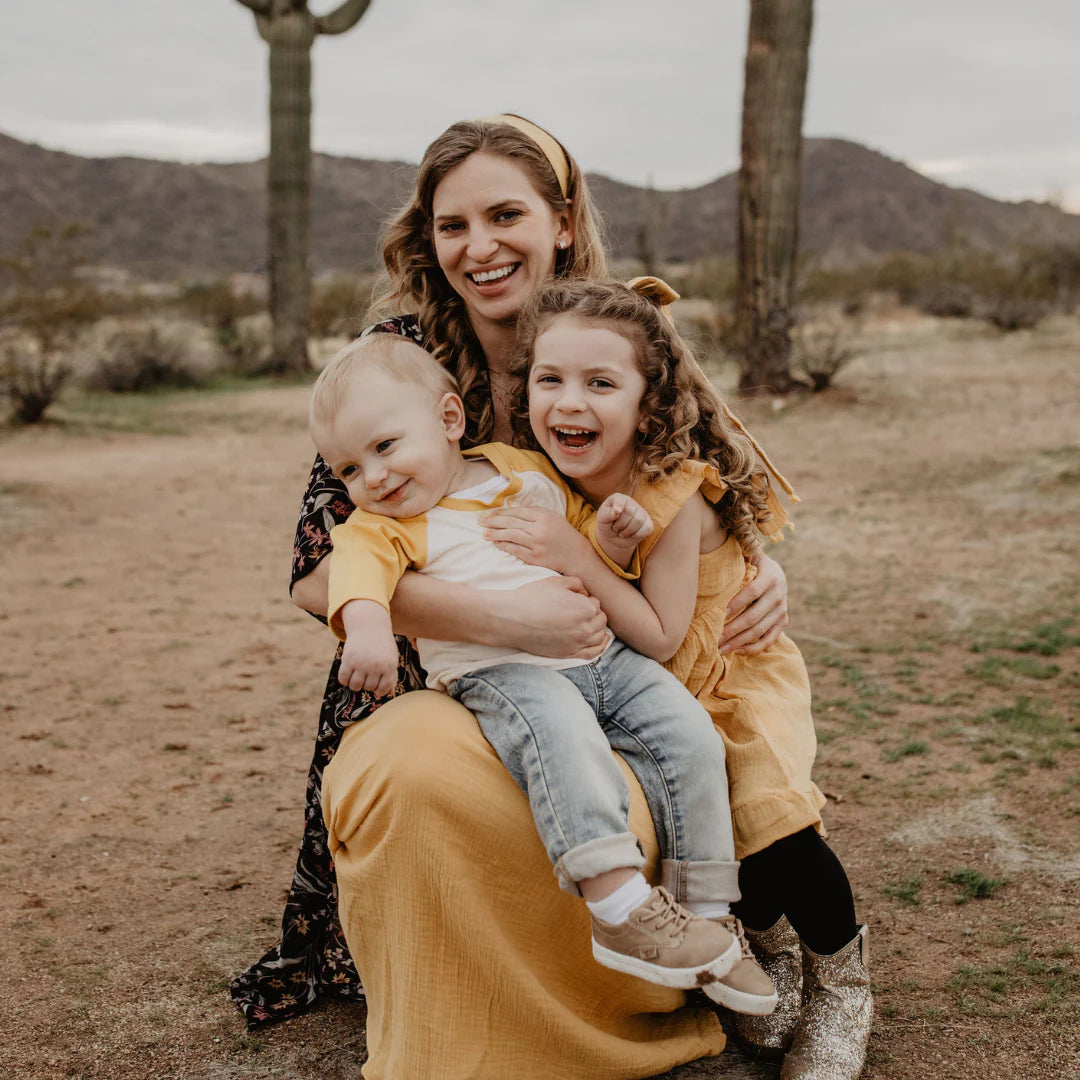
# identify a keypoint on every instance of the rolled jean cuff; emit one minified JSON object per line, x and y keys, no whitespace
{"x":597,"y":857}
{"x":695,"y":881}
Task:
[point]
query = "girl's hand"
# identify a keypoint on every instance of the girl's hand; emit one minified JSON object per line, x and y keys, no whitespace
{"x":537,"y":537}
{"x":621,"y":524}
{"x":764,"y":614}
{"x":555,"y":617}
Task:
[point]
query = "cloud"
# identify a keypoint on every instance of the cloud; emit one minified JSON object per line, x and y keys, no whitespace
{"x":1044,"y":175}
{"x":146,"y":138}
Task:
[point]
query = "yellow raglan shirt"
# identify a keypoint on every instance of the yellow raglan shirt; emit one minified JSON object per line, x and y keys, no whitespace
{"x":371,"y":552}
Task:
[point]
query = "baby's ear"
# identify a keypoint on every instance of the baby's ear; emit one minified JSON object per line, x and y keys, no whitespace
{"x":452,"y":415}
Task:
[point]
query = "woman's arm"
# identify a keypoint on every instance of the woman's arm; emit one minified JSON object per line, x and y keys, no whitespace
{"x":311,"y":592}
{"x":555,"y":618}
{"x":762,"y":607}
{"x":550,"y":618}
{"x":325,"y":504}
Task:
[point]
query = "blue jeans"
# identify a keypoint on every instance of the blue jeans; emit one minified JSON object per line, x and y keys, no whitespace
{"x":554,"y":730}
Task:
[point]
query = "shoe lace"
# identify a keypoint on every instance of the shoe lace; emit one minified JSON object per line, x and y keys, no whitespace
{"x":735,"y":926}
{"x":667,"y":911}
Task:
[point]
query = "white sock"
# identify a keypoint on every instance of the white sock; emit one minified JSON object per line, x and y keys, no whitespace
{"x":708,"y":909}
{"x":616,"y":908}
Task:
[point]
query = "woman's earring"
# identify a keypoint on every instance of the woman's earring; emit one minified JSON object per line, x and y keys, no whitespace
{"x":561,"y":245}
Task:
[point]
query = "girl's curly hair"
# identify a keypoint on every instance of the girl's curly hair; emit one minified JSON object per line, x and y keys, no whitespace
{"x":417,"y":284}
{"x":684,"y":416}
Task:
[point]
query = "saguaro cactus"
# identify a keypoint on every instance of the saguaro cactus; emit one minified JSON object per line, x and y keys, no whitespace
{"x":777,"y":57}
{"x":290,"y":30}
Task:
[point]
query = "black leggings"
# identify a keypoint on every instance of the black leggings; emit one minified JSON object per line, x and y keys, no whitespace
{"x":800,"y":877}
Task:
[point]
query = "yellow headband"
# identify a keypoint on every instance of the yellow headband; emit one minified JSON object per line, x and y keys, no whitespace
{"x":663,"y":295}
{"x":548,"y":144}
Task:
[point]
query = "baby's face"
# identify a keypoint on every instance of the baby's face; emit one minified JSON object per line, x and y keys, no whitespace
{"x":392,"y":447}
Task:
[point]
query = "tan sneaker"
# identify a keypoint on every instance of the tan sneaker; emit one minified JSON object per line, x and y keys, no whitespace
{"x":746,"y":988}
{"x":664,"y":943}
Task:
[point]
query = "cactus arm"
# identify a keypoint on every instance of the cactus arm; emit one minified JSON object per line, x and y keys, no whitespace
{"x":342,"y":18}
{"x":260,"y":7}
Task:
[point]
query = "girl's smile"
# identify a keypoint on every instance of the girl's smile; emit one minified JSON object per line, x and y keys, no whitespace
{"x":585,"y":392}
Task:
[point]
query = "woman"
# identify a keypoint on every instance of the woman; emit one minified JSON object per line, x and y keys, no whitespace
{"x":467,"y":974}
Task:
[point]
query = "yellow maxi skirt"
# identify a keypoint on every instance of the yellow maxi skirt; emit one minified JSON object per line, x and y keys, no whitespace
{"x":475,"y":963}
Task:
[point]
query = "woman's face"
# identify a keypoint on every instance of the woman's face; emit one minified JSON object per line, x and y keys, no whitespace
{"x":495,"y":236}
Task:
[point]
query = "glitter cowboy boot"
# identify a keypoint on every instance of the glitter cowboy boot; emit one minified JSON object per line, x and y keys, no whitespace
{"x":830,"y":1042}
{"x":780,"y":955}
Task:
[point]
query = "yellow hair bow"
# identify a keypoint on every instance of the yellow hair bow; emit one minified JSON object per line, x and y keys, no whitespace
{"x":658,"y":291}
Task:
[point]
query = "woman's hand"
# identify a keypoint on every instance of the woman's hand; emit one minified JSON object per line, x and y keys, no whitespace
{"x":555,"y":617}
{"x":764,"y":611}
{"x":537,"y":537}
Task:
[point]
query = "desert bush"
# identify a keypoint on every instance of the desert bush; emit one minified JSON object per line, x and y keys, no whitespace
{"x":43,"y":308}
{"x":1017,"y":312}
{"x":709,"y":279}
{"x":134,"y":356}
{"x":819,"y":351}
{"x":1051,"y":274}
{"x":218,"y":305}
{"x":338,"y":304}
{"x":708,"y":328}
{"x":849,"y":286}
{"x":31,"y":377}
{"x":250,"y":349}
{"x":947,"y":300}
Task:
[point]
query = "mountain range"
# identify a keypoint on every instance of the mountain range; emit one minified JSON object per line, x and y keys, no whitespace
{"x":167,"y":220}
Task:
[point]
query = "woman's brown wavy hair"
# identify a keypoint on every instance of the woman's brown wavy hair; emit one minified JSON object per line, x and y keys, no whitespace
{"x":417,"y":284}
{"x":684,"y":416}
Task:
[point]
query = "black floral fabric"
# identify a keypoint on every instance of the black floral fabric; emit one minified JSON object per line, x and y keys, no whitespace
{"x":311,"y":958}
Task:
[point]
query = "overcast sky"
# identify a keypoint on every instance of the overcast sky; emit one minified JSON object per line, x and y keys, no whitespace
{"x":978,"y":93}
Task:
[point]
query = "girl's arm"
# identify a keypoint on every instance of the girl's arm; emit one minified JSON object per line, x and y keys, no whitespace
{"x":653,"y":621}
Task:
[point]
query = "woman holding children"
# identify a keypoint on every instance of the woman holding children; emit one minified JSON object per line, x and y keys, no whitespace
{"x":471,"y":961}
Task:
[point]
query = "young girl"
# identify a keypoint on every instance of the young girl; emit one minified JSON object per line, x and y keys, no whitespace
{"x":618,"y":404}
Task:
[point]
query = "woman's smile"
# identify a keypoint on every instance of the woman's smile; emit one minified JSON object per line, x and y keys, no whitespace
{"x":492,"y":277}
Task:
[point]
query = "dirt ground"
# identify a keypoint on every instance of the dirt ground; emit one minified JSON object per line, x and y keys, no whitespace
{"x":158,"y":695}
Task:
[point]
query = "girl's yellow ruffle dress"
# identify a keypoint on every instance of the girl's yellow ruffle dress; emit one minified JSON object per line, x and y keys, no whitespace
{"x":759,"y":704}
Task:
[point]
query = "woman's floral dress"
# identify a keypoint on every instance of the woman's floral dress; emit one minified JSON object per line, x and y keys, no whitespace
{"x":311,"y":958}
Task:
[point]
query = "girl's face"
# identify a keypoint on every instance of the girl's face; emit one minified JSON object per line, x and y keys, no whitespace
{"x":585,"y":391}
{"x":495,"y":236}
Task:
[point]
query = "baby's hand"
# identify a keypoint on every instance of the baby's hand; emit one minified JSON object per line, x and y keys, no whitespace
{"x":621,"y":524}
{"x":369,"y":658}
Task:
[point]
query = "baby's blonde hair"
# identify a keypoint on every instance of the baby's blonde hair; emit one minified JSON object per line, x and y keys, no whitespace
{"x":398,"y":357}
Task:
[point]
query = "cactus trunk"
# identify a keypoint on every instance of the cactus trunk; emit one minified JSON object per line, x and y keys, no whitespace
{"x":290,"y":30}
{"x":775,"y":89}
{"x":290,"y":37}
